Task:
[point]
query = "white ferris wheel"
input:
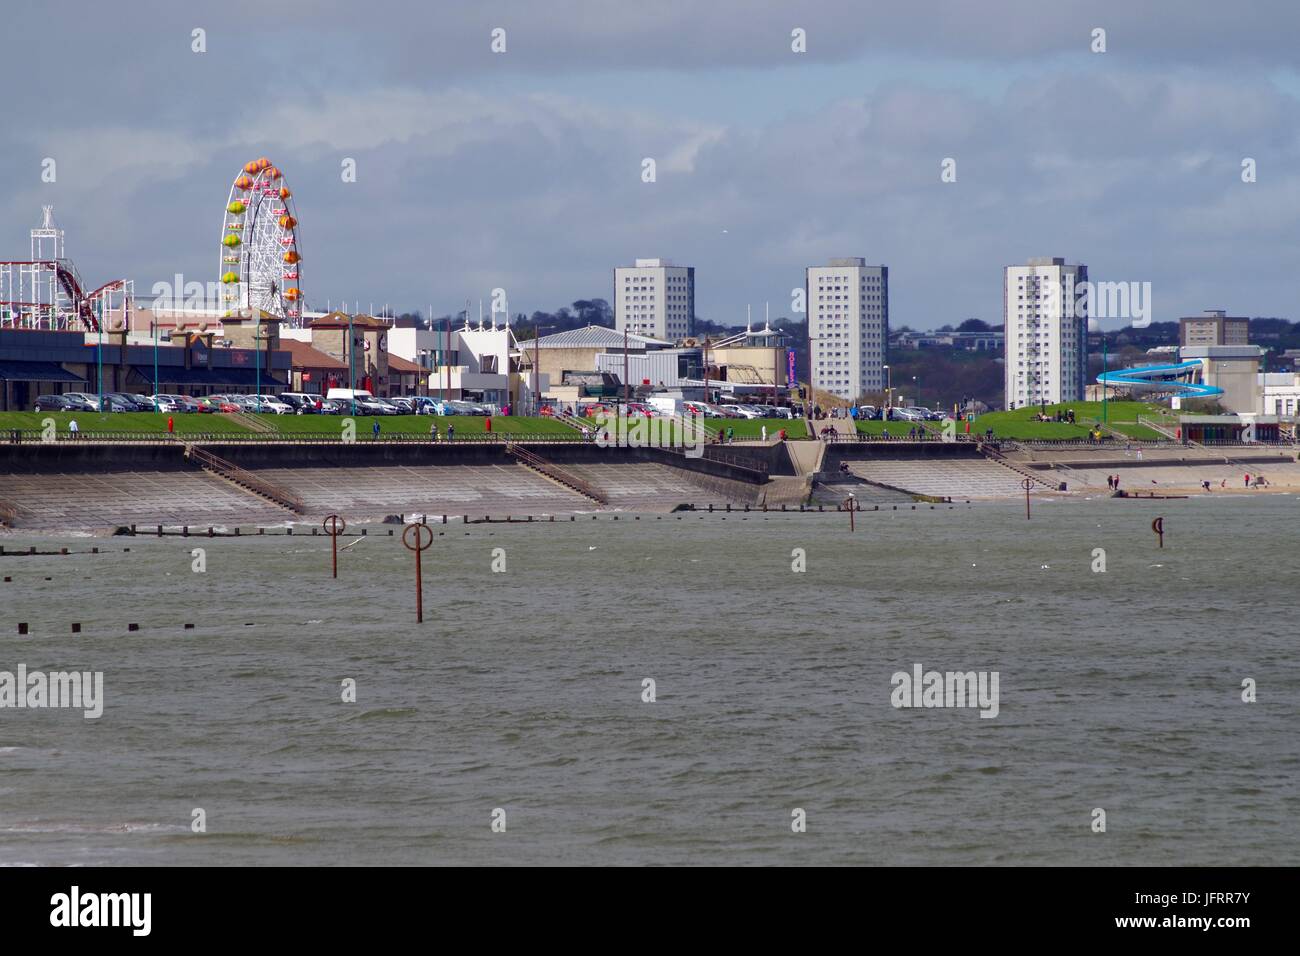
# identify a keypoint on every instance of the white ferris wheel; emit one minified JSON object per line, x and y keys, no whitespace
{"x":260,"y":261}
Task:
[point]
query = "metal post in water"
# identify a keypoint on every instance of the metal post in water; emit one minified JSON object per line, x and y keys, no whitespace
{"x":331,"y":525}
{"x":1027,"y":484}
{"x":417,"y":544}
{"x":1158,"y":526}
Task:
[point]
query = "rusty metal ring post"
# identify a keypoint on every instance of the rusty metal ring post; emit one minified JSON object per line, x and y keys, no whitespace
{"x":1158,"y":526}
{"x":1027,"y":483}
{"x":418,"y":544}
{"x":331,"y":525}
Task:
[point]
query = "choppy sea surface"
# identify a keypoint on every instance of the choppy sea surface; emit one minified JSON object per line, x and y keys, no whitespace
{"x":523,"y":691}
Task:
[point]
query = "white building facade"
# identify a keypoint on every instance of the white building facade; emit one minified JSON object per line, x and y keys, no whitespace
{"x":1046,"y":329}
{"x":655,"y":298}
{"x":848,"y":326}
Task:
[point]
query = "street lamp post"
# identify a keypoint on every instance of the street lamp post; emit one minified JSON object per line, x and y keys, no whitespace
{"x":1104,"y":363}
{"x":257,"y":357}
{"x":889,"y":389}
{"x":99,"y":361}
{"x":352,"y":366}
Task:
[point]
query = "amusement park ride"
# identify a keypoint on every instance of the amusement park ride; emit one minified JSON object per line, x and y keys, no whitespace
{"x":46,"y":291}
{"x":260,"y":262}
{"x":259,"y":271}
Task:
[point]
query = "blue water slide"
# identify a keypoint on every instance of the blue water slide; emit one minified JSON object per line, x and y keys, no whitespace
{"x":1162,"y":378}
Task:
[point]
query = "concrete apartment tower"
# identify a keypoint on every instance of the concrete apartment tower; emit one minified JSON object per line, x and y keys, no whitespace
{"x":848,"y":326}
{"x":655,"y":298}
{"x":1213,"y":327}
{"x":1046,"y":328}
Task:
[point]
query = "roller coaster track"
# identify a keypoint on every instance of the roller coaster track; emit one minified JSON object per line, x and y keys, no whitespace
{"x":66,"y":275}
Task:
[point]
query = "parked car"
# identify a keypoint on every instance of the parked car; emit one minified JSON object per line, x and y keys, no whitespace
{"x":403,"y":405}
{"x":741,"y":411}
{"x":391,"y":407}
{"x":266,"y":404}
{"x":132,"y":403}
{"x":303,"y":403}
{"x":52,"y":403}
{"x":166,"y":403}
{"x":218,"y":403}
{"x":81,"y":401}
{"x":423,"y":405}
{"x":468,"y":408}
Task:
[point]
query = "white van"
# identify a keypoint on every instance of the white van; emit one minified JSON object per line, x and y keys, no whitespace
{"x":666,"y":406}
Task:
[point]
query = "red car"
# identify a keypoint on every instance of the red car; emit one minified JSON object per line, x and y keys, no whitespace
{"x":217,"y":404}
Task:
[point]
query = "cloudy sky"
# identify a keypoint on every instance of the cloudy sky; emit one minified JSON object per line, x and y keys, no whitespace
{"x":522,"y":169}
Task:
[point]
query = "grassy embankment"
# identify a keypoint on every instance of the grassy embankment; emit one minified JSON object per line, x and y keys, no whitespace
{"x":1019,"y":424}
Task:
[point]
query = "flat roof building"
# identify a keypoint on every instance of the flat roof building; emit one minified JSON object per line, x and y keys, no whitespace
{"x":1213,"y":327}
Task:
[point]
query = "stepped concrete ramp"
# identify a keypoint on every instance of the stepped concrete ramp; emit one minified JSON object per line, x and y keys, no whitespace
{"x":51,"y":501}
{"x":650,"y":486}
{"x":806,"y":456}
{"x":361,"y":492}
{"x":835,"y":492}
{"x":956,"y":478}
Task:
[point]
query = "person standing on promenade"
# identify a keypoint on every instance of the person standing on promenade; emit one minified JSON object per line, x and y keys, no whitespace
{"x":1248,"y":481}
{"x":433,"y":431}
{"x":374,"y":431}
{"x":487,"y":424}
{"x":73,"y":429}
{"x":171,"y":425}
{"x":451,"y":432}
{"x":764,"y":432}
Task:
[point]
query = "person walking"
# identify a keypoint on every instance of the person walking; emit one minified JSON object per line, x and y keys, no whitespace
{"x":1248,"y":481}
{"x":73,"y":429}
{"x":171,"y":425}
{"x":433,"y":431}
{"x":451,"y":432}
{"x":763,"y":432}
{"x":374,"y":429}
{"x":487,"y":424}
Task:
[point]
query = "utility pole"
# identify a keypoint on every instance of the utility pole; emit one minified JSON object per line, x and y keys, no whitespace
{"x":625,"y":379}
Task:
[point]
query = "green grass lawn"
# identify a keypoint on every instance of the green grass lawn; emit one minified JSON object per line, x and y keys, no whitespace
{"x":1019,"y":424}
{"x":752,"y":428}
{"x":1120,"y":415}
{"x":896,"y":429}
{"x":190,"y":424}
{"x":199,"y":424}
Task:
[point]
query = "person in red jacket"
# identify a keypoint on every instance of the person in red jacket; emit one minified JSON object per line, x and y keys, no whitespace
{"x":488,"y":424}
{"x":171,"y":425}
